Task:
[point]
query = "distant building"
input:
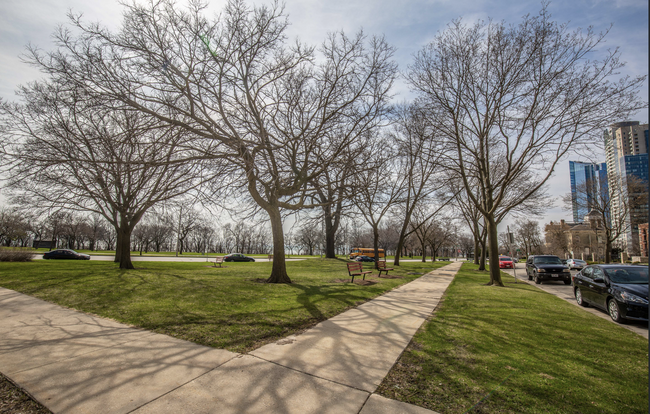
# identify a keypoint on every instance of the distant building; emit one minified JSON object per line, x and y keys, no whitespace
{"x":581,"y":172}
{"x":582,"y":240}
{"x":626,"y":149}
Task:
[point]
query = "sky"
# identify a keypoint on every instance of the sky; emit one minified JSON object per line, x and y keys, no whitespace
{"x":408,"y":25}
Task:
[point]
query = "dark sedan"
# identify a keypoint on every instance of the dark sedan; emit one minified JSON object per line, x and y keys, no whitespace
{"x":541,"y":268}
{"x":364,"y":259}
{"x":65,"y":254}
{"x":620,"y":290}
{"x":237,"y":257}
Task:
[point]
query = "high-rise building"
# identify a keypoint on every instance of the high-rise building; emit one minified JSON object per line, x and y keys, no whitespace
{"x":626,"y":149}
{"x":581,"y":173}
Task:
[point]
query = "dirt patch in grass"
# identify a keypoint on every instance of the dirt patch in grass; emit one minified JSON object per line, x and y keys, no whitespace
{"x":391,"y":277}
{"x":14,"y":401}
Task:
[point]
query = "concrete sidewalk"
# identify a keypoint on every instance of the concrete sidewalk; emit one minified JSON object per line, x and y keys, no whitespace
{"x":72,"y":362}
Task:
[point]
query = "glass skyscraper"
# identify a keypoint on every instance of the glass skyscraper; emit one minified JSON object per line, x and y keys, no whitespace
{"x":580,"y":173}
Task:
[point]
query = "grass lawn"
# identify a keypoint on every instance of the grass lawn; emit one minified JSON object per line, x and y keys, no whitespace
{"x":221,"y":307}
{"x":528,"y":350}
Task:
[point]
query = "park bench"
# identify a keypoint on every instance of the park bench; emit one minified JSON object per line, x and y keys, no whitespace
{"x":356,"y":269}
{"x":381,"y":265}
{"x":270,"y":257}
{"x":218,"y":261}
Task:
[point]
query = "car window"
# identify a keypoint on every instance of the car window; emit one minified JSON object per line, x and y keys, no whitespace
{"x":548,"y":260}
{"x":587,"y":272}
{"x":628,"y":274}
{"x":598,"y":273}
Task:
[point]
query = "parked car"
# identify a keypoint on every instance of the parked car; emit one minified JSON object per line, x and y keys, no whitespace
{"x":515,"y":260}
{"x":620,"y":290}
{"x":576,"y":264}
{"x":364,"y":259}
{"x":65,"y":254}
{"x":506,"y":263}
{"x":547,"y":267}
{"x":237,"y":257}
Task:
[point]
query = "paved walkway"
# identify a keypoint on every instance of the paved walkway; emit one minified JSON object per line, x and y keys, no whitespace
{"x":77,"y":363}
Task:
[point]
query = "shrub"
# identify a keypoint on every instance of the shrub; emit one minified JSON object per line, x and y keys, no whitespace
{"x":16,"y":255}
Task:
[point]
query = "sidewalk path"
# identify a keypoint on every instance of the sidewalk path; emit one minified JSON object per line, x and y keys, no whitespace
{"x":72,"y":362}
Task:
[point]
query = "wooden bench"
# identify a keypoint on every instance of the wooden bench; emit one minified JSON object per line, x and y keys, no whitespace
{"x":381,"y":265}
{"x":270,"y":257}
{"x":356,"y":269}
{"x":218,"y":261}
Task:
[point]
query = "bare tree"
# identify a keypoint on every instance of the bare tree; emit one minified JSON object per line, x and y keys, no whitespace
{"x":379,"y":188}
{"x":68,"y":152}
{"x":512,"y":100}
{"x":420,"y":156}
{"x":527,"y":235}
{"x":557,"y":241}
{"x":279,"y":114}
{"x":599,"y":197}
{"x":466,"y":244}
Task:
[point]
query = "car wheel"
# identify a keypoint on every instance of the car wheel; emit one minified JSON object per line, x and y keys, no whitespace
{"x":567,"y":282}
{"x":538,"y":281}
{"x":614,"y":312}
{"x":579,"y":300}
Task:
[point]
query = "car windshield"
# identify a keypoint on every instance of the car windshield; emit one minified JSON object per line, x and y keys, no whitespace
{"x":579,"y":261}
{"x":505,"y":259}
{"x":548,"y":260}
{"x":628,"y":274}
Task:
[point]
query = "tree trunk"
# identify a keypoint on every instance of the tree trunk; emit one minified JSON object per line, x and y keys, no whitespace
{"x":331,"y":227}
{"x":476,"y":247}
{"x":279,"y":269}
{"x":495,"y":272}
{"x":375,"y":244}
{"x":118,"y":246}
{"x":608,"y":251}
{"x":398,"y":251}
{"x":424,"y":253}
{"x":124,"y":233}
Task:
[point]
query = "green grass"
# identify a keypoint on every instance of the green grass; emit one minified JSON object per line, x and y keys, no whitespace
{"x":221,"y":307}
{"x":538,"y":353}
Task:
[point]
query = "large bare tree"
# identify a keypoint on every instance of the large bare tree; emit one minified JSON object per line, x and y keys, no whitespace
{"x":420,"y":156}
{"x":68,"y":152}
{"x":512,"y":100}
{"x":279,"y":113}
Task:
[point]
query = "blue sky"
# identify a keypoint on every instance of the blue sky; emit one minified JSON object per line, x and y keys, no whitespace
{"x":407,"y":24}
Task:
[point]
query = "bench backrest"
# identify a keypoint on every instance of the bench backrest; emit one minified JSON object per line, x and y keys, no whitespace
{"x":355,"y":267}
{"x":381,"y":264}
{"x":218,"y":259}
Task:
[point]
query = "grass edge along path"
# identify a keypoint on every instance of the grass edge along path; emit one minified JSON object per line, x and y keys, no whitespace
{"x":228,"y":308}
{"x":527,"y":351}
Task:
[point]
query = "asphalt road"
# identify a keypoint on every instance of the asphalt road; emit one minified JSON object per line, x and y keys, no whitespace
{"x":562,"y":291}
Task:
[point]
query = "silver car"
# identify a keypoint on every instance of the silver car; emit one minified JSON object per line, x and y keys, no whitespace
{"x":576,"y":264}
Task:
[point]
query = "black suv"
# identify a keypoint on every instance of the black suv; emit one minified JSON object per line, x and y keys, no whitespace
{"x":548,"y":267}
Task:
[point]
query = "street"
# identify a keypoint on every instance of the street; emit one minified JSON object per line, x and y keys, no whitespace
{"x":559,"y":289}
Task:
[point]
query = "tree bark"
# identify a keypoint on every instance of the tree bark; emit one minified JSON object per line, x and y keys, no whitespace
{"x":495,"y":272}
{"x":375,"y":244}
{"x":124,"y":249}
{"x":331,"y":227}
{"x":279,"y":269}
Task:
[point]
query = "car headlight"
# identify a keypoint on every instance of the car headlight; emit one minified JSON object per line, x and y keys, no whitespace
{"x":628,"y":297}
{"x":541,"y":270}
{"x":566,"y":270}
